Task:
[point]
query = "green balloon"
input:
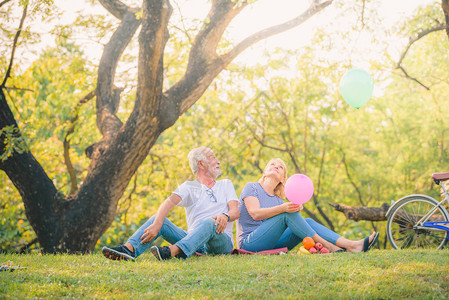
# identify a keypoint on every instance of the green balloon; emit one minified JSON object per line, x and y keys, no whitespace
{"x":356,"y":87}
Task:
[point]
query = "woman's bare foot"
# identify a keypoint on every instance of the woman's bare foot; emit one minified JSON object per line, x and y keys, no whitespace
{"x":358,"y":245}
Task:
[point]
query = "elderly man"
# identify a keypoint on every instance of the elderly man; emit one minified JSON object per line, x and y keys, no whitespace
{"x":211,"y":207}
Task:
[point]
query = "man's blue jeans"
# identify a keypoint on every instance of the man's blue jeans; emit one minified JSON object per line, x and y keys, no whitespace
{"x":285,"y":230}
{"x":203,"y":238}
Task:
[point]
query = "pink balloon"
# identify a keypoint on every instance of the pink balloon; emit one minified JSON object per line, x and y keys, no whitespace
{"x":299,"y":188}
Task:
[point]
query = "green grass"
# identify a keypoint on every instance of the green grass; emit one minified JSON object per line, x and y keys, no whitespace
{"x":376,"y":274}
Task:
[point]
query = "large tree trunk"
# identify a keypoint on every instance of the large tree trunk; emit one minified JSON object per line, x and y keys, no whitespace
{"x":75,"y":223}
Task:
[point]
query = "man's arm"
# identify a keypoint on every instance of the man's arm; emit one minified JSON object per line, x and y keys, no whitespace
{"x":234,"y":212}
{"x":152,"y":231}
{"x":222,"y":220}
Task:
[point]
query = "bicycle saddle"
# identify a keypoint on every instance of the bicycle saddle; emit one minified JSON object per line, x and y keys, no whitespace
{"x":440,"y":176}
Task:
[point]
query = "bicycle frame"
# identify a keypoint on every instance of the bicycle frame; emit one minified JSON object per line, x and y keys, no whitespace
{"x":422,"y":222}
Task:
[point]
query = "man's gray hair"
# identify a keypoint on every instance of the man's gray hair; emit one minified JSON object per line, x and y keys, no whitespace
{"x":195,"y":155}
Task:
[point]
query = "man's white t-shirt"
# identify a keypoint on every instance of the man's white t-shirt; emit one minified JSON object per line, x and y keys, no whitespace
{"x":199,"y":203}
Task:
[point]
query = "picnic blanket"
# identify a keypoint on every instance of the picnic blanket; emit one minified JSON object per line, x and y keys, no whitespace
{"x":266,"y":252}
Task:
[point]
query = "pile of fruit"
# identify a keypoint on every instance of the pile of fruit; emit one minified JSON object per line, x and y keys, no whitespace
{"x":309,"y":247}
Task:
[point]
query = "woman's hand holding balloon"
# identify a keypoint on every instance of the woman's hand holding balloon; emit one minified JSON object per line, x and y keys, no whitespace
{"x":290,"y":207}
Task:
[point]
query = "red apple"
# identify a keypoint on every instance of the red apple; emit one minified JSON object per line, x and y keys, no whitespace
{"x":313,"y":250}
{"x":318,"y":246}
{"x":324,"y":250}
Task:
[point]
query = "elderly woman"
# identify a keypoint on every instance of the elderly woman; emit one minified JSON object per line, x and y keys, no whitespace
{"x":269,"y":223}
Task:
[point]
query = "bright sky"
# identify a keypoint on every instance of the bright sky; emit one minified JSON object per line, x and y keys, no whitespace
{"x":260,"y":15}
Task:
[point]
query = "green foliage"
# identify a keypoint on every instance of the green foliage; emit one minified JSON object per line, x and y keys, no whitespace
{"x":376,"y":274}
{"x":288,"y":107}
{"x":15,"y":230}
{"x":14,"y":142}
{"x":59,"y":79}
{"x":425,"y":17}
{"x":10,"y":14}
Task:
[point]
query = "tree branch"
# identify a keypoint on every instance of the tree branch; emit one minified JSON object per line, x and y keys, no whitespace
{"x":183,"y":29}
{"x":445,"y":7}
{"x":262,"y":143}
{"x":363,"y":14}
{"x":289,"y":144}
{"x":306,"y":121}
{"x":67,"y":160}
{"x":24,"y":248}
{"x":312,"y":215}
{"x":350,"y":178}
{"x":128,"y":205}
{"x":320,"y":173}
{"x":268,"y":32}
{"x":17,"y":88}
{"x":257,"y":162}
{"x":117,"y":8}
{"x":205,"y":44}
{"x":204,"y":64}
{"x":413,"y":78}
{"x":316,"y":194}
{"x":152,"y":39}
{"x":201,"y":71}
{"x":4,"y":2}
{"x":108,"y":100}
{"x":420,"y":35}
{"x":16,"y":38}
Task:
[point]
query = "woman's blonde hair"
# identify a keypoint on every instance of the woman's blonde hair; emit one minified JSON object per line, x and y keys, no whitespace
{"x":279,"y":190}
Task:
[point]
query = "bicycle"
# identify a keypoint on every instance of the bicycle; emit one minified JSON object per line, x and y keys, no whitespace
{"x":419,"y":221}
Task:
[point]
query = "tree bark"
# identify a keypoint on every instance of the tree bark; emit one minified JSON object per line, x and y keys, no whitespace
{"x":358,"y":213}
{"x":445,"y":7}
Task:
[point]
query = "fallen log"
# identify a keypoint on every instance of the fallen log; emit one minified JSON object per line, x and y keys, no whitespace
{"x":365,"y":213}
{"x":358,"y":213}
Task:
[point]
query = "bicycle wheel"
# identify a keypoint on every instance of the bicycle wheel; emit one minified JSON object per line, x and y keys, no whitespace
{"x":402,"y":232}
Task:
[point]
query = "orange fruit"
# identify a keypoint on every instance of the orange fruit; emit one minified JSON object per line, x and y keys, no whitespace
{"x":308,"y":242}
